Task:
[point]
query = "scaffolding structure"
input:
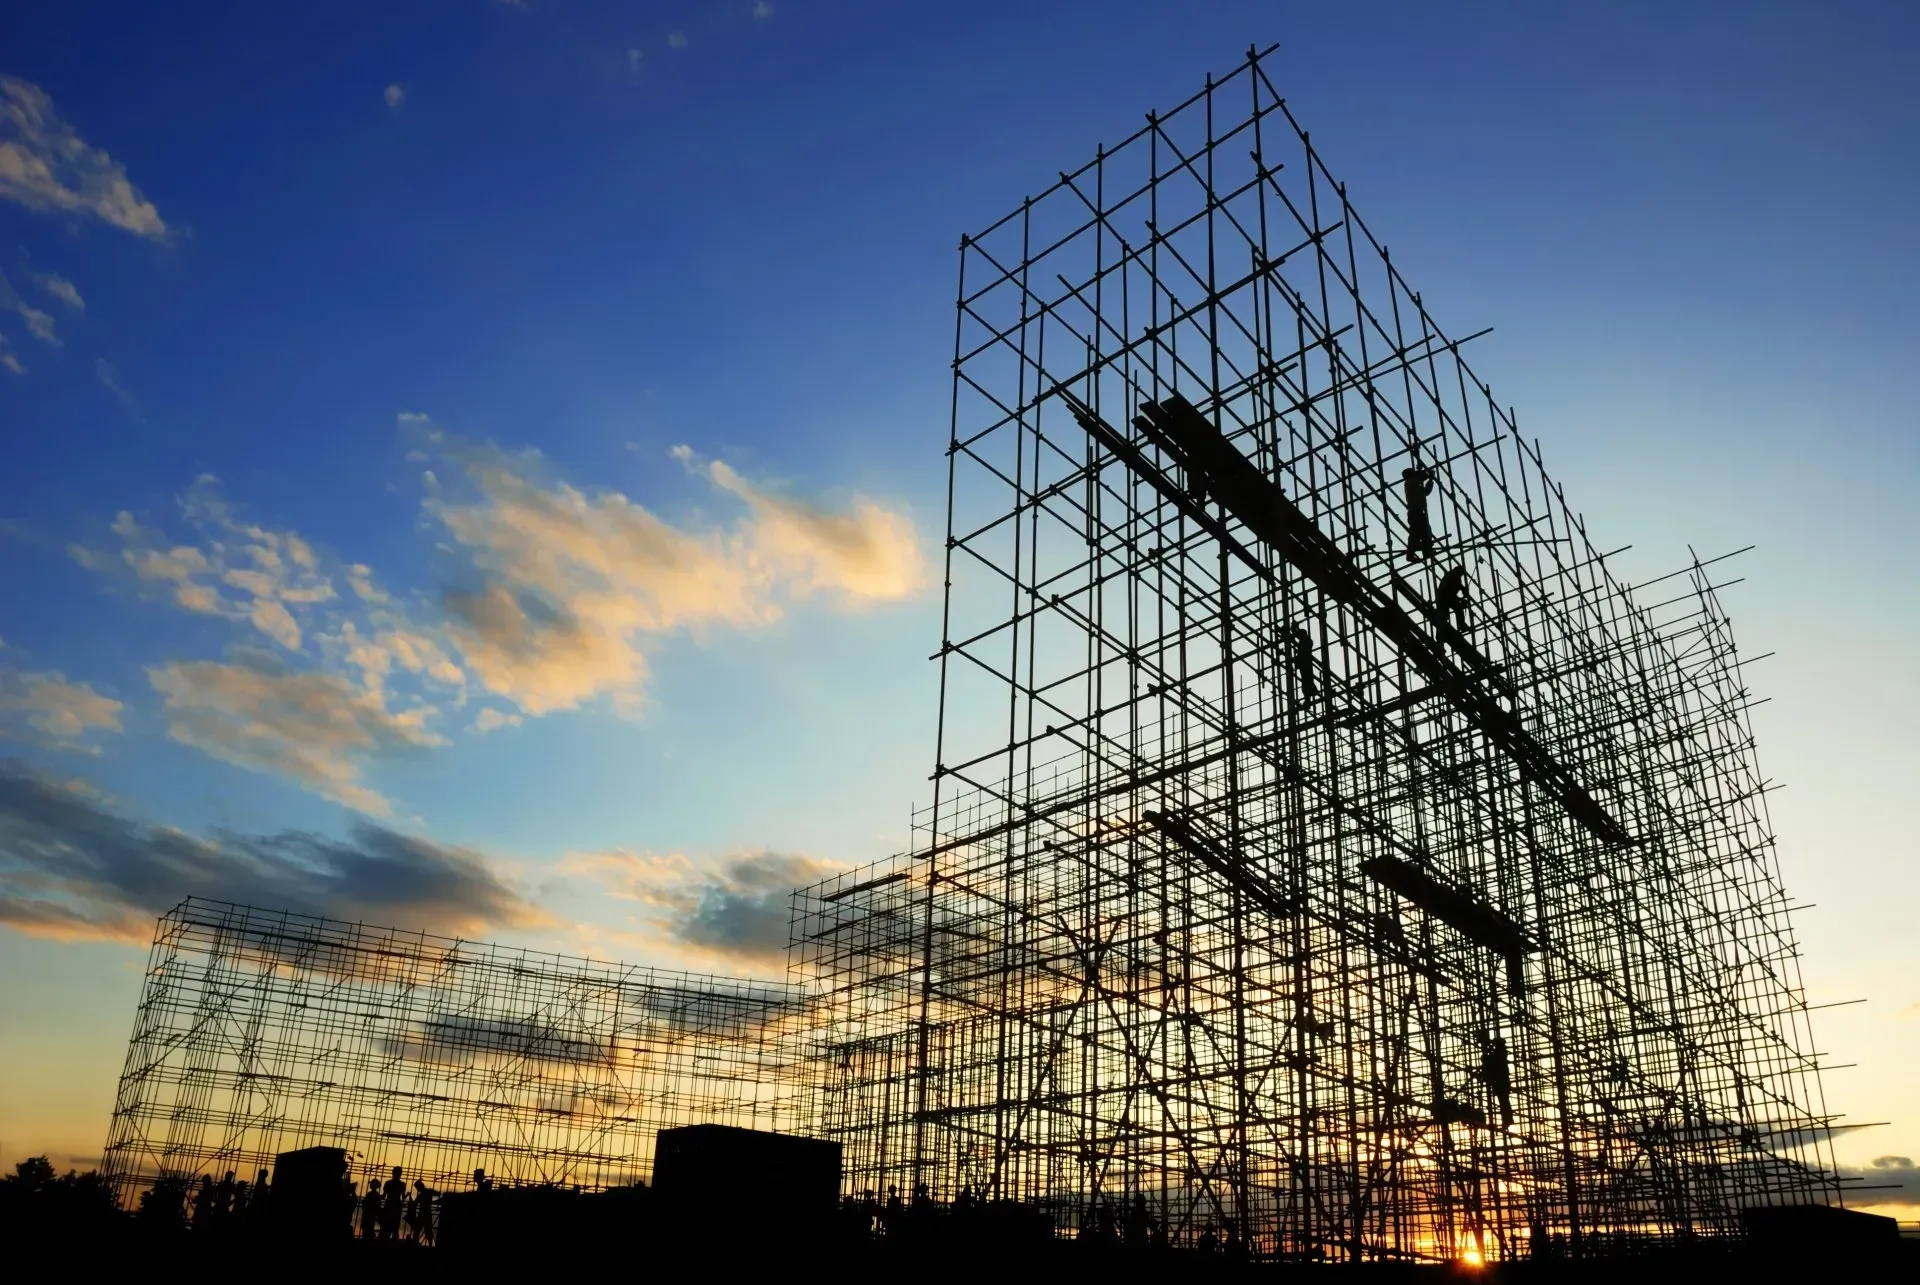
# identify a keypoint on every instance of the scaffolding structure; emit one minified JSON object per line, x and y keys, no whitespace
{"x":261,"y":1031}
{"x":1329,"y":853}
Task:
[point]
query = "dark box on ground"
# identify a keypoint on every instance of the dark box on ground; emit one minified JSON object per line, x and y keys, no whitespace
{"x":308,"y":1199}
{"x":717,"y":1167}
{"x":1817,"y":1231}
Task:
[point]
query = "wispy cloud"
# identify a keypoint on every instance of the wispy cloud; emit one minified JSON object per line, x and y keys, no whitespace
{"x":554,"y":597}
{"x":734,"y":913}
{"x":44,"y":709}
{"x":867,"y":553}
{"x":1887,"y":1180}
{"x":39,"y":322}
{"x":62,"y":289}
{"x":230,"y":568}
{"x":74,"y":866}
{"x":8,"y":362}
{"x":492,"y":720}
{"x":110,"y":380}
{"x":569,"y":585}
{"x":396,"y":96}
{"x":316,"y":729}
{"x":320,"y":710}
{"x":45,"y":165}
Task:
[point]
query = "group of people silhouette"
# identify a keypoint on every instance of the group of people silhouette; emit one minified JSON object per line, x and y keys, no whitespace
{"x":1130,"y":1222}
{"x":228,"y":1204}
{"x":388,"y":1211}
{"x":891,"y":1218}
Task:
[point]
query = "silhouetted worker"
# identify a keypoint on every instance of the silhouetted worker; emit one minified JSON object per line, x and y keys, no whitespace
{"x":1208,"y":1241}
{"x":393,"y":1207}
{"x":891,"y":1218}
{"x":1418,"y":485}
{"x":370,"y":1211}
{"x":1139,"y":1223}
{"x":203,"y":1204}
{"x":257,"y":1203}
{"x":481,"y":1182}
{"x":1493,"y":1069}
{"x":1300,"y":649}
{"x":1450,"y":603}
{"x":349,"y":1201}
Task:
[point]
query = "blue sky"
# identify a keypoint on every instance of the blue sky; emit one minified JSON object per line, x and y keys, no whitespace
{"x":318,"y":254}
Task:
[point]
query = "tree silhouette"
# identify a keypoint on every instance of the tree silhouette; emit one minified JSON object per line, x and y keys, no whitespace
{"x":33,"y":1202}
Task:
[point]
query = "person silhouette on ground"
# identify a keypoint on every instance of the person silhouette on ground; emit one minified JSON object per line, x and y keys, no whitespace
{"x":1139,"y":1229}
{"x":223,"y":1198}
{"x":203,"y":1204}
{"x":370,"y":1211}
{"x":420,"y":1212}
{"x":481,"y":1182}
{"x":393,"y":1207}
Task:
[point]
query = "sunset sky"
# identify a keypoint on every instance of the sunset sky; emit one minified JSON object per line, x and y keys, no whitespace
{"x":479,"y":466}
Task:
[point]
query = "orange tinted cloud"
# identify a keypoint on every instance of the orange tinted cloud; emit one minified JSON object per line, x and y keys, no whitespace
{"x":571,"y":585}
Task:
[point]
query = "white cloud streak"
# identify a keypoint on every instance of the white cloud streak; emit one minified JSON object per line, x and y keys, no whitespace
{"x":570,"y":585}
{"x":42,"y":708}
{"x":110,"y":380}
{"x":316,"y":729}
{"x":46,"y":166}
{"x":62,"y":289}
{"x":39,"y":322}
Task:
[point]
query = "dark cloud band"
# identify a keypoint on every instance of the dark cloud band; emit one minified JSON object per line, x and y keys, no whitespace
{"x":73,"y":866}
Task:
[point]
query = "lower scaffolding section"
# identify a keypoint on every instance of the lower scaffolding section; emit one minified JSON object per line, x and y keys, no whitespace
{"x":260,"y":1032}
